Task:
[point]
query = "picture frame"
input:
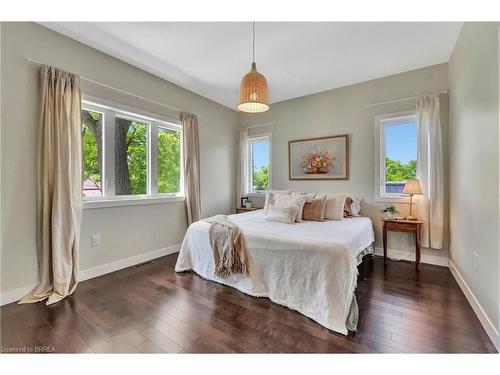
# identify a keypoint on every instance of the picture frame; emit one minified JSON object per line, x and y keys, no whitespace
{"x":323,"y":158}
{"x":244,"y":200}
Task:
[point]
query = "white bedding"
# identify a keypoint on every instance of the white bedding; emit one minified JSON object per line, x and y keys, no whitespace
{"x":309,"y":267}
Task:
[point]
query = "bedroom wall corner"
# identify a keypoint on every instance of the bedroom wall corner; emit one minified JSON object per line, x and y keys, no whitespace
{"x":474,"y":170}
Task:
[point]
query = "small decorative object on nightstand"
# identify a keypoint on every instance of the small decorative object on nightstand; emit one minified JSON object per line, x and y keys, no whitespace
{"x":240,"y":210}
{"x":412,"y":187}
{"x":246,"y":202}
{"x":407,"y":226}
{"x":389,"y":211}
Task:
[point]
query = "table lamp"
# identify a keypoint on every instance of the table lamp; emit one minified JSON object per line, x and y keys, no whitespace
{"x":412,"y":187}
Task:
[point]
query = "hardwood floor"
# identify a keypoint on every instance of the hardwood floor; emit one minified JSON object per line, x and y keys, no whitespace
{"x":152,"y":309}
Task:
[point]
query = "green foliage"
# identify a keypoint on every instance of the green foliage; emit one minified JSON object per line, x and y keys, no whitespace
{"x":169,"y":163}
{"x":395,"y":171}
{"x":390,"y":208}
{"x":91,"y":170}
{"x":137,"y":157}
{"x":90,"y":163}
{"x":261,"y":178}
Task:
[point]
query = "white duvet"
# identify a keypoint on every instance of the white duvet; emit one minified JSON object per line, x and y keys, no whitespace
{"x":310,"y":267}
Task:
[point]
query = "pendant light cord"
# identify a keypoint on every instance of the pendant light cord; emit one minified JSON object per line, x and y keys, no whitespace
{"x":253,"y":41}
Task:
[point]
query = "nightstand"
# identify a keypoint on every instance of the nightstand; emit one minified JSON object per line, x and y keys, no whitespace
{"x":406,"y":226}
{"x":240,"y":210}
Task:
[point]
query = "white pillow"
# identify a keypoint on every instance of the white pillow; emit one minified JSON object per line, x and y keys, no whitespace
{"x":355,"y":205}
{"x":335,"y":206}
{"x":270,"y":194}
{"x":281,"y":215}
{"x":292,"y":200}
{"x":309,"y":196}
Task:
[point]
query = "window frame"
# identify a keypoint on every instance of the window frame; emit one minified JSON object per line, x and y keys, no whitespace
{"x":250,"y":140}
{"x":381,"y":121}
{"x":155,"y":156}
{"x":110,"y":111}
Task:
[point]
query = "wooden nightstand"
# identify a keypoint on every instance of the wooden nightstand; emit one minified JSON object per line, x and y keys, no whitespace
{"x":407,"y":226}
{"x":240,"y":210}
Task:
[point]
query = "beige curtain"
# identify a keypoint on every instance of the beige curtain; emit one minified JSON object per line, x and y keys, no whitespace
{"x":59,"y":186}
{"x":430,"y":205}
{"x":191,"y":152}
{"x":241,"y":185}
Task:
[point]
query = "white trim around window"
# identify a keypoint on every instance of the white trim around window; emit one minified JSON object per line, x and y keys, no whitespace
{"x":154,"y":122}
{"x":252,"y":139}
{"x":381,"y":121}
{"x":129,"y":201}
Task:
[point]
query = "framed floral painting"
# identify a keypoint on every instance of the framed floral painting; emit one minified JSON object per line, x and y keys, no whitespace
{"x":325,"y":158}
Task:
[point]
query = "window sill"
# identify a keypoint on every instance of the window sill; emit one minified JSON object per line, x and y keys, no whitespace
{"x":257,"y":194}
{"x":129,"y":201}
{"x":394,"y":199}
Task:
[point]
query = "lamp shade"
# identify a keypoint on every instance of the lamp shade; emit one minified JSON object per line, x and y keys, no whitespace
{"x":254,"y":92}
{"x":413,"y":187}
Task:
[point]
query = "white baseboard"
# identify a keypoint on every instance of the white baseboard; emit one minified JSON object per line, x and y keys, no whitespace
{"x":127,"y":262}
{"x":410,"y":255}
{"x":488,"y":326}
{"x":16,"y":294}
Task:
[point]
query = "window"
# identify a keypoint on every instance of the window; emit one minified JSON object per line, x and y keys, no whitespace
{"x":129,"y":155}
{"x":169,"y":161}
{"x":259,"y":171}
{"x":397,"y":149}
{"x":92,"y":153}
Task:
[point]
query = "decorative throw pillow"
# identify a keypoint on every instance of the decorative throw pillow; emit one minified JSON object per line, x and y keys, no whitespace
{"x":347,"y":207}
{"x":281,"y":215}
{"x":355,"y":205}
{"x":270,"y":194}
{"x":315,"y":210}
{"x":292,"y":200}
{"x":335,"y":206}
{"x":309,"y":196}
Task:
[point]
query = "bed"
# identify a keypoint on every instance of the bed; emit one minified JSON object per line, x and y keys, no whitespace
{"x":310,"y":267}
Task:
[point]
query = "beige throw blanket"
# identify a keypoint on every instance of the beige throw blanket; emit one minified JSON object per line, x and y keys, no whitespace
{"x":228,"y":246}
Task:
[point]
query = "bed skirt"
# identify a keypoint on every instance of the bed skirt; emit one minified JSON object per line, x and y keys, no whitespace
{"x":352,"y":316}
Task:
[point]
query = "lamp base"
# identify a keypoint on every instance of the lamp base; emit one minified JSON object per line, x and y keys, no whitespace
{"x":410,"y":216}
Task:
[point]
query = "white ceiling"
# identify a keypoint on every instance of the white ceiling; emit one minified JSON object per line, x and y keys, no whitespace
{"x":297,"y":58}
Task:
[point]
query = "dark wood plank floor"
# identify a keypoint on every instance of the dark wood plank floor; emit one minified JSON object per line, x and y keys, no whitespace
{"x":152,"y":309}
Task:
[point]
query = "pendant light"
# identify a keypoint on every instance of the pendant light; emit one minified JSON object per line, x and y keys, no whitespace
{"x":254,"y":92}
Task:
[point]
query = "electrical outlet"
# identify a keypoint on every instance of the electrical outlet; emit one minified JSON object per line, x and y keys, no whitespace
{"x":95,"y":240}
{"x":475,"y":261}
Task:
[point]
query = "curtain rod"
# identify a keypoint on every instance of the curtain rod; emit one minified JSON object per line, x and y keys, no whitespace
{"x":31,"y":60}
{"x":403,"y":99}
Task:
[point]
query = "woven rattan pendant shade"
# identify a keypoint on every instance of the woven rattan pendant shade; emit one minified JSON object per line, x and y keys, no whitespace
{"x":254,"y":92}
